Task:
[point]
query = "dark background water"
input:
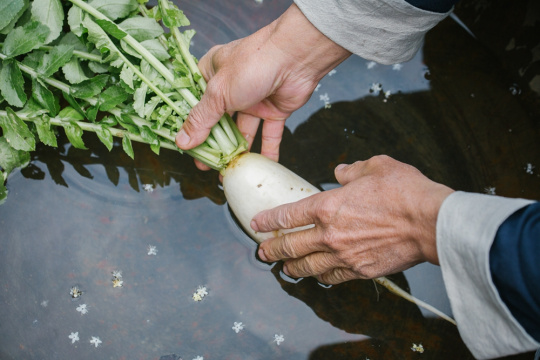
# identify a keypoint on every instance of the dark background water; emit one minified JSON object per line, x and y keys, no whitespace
{"x":465,"y":111}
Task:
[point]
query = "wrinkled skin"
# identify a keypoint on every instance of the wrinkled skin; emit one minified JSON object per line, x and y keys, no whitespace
{"x":266,"y":75}
{"x":381,"y":221}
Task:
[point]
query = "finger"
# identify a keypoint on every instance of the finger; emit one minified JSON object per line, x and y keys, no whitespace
{"x":202,"y":117}
{"x":337,"y":276}
{"x":272,"y":132}
{"x":291,"y":246}
{"x":201,"y":166}
{"x":311,"y":265}
{"x":248,"y":125}
{"x":286,"y":216}
{"x":206,"y":63}
{"x":346,"y":173}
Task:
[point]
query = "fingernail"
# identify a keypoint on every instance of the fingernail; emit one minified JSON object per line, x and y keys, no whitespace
{"x":285,"y":270}
{"x":182,"y":138}
{"x":254,"y":225}
{"x":340,"y":166}
{"x":262,"y":255}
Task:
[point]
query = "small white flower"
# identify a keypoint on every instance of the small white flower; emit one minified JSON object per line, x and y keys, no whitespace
{"x":417,"y":348}
{"x":375,"y":88}
{"x":44,"y":303}
{"x":387,"y":94}
{"x":259,"y":1}
{"x":332,"y":72}
{"x":371,"y":64}
{"x":278,"y":339}
{"x":397,"y":67}
{"x":529,"y":168}
{"x":200,"y":357}
{"x":74,"y":336}
{"x":238,"y":326}
{"x":197,"y":297}
{"x":148,"y":187}
{"x":490,"y":190}
{"x":202,"y":291}
{"x":75,"y":292}
{"x":83,"y":309}
{"x":117,"y":274}
{"x":117,"y":282}
{"x":317,"y":87}
{"x":152,"y":250}
{"x":324,"y":97}
{"x":95,"y":341}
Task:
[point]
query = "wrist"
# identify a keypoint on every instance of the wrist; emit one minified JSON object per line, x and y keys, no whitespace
{"x":306,"y":50}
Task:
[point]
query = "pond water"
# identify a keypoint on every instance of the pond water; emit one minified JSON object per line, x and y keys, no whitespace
{"x":73,"y":217}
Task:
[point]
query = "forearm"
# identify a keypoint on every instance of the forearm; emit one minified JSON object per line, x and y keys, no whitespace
{"x":466,"y":226}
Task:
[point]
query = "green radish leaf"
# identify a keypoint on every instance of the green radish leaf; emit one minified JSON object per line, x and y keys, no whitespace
{"x":45,"y":133}
{"x":12,"y":84}
{"x":155,"y":48}
{"x":11,"y":158}
{"x":91,"y":113}
{"x":3,"y":189}
{"x":25,"y":38}
{"x":111,"y":28}
{"x":71,"y":100}
{"x":128,"y":148}
{"x":108,"y":121}
{"x":16,"y":132}
{"x":57,"y":57}
{"x":75,"y":20}
{"x":127,"y":75}
{"x":74,"y":134}
{"x":173,"y":17}
{"x":148,"y":135}
{"x":128,"y":124}
{"x":141,"y":28}
{"x":139,"y":99}
{"x":111,"y":97}
{"x":90,"y":87}
{"x":100,"y":38}
{"x":50,"y":14}
{"x":9,"y":11}
{"x":106,"y":137}
{"x":45,"y":97}
{"x":70,"y":114}
{"x":114,"y":9}
{"x":73,"y":71}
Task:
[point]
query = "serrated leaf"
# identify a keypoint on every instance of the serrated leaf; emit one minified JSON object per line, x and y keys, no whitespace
{"x":148,"y":135}
{"x":74,"y":134}
{"x":25,"y":38}
{"x":111,"y":97}
{"x":11,"y":158}
{"x":128,"y":148}
{"x":51,"y":14}
{"x":127,"y":75}
{"x":45,"y":97}
{"x":70,"y":114}
{"x":108,"y":121}
{"x":3,"y":190}
{"x":114,"y":9}
{"x":45,"y":133}
{"x":139,"y":99}
{"x":91,"y":113}
{"x":173,"y":17}
{"x":16,"y":132}
{"x":98,"y":68}
{"x":73,"y":71}
{"x":75,"y":20}
{"x":73,"y":102}
{"x":105,"y":137}
{"x":111,"y":29}
{"x":12,"y":84}
{"x":9,"y":9}
{"x":155,"y":48}
{"x":100,"y":38}
{"x":141,"y":28}
{"x":90,"y":87}
{"x":52,"y":61}
{"x":128,"y":124}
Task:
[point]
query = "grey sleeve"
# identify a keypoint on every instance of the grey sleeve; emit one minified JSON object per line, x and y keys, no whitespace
{"x":466,"y":227}
{"x":385,"y":31}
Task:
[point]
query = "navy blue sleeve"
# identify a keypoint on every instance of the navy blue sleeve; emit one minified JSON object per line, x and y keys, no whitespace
{"x":439,"y":6}
{"x":514,"y":261}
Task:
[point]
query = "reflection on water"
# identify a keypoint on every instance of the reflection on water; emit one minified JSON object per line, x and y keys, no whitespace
{"x":450,"y":113}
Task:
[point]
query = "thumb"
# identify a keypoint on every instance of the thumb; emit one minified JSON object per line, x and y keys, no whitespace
{"x":200,"y":121}
{"x":347,"y":173}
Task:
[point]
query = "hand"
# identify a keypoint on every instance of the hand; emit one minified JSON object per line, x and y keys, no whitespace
{"x":381,"y":221}
{"x":267,"y":75}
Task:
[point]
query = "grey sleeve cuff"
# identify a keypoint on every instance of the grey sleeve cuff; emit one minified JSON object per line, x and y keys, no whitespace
{"x":385,"y":31}
{"x":466,"y":227}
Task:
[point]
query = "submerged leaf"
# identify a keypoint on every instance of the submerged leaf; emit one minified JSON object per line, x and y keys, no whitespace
{"x":12,"y":84}
{"x":16,"y":132}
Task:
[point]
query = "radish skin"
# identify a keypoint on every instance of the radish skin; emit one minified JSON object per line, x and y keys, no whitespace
{"x":253,"y":183}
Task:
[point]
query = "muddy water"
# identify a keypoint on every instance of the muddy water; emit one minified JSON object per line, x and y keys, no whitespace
{"x":458,"y":111}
